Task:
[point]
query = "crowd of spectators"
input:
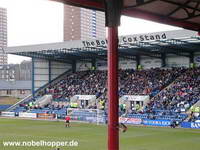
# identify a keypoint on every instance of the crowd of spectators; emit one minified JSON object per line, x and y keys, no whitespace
{"x":146,"y":82}
{"x":79,"y":83}
{"x":131,"y":82}
{"x":172,"y":91}
{"x":180,"y":95}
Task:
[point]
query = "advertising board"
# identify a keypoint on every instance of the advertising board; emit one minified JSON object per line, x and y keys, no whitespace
{"x":193,"y":125}
{"x":162,"y":123}
{"x":45,"y":116}
{"x":27,"y":115}
{"x":7,"y":114}
{"x":134,"y":121}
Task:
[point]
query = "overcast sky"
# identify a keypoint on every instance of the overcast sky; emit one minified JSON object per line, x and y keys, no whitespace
{"x":41,"y":21}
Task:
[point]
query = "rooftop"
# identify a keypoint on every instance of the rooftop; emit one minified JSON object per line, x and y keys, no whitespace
{"x":177,"y":42}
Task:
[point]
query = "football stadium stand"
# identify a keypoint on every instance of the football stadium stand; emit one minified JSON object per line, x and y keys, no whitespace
{"x":173,"y":92}
{"x":158,"y":79}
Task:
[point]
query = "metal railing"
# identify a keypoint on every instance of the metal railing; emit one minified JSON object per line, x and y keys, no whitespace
{"x":19,"y":102}
{"x":27,"y":98}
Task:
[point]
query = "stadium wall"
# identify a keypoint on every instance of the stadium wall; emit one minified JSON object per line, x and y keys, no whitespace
{"x":123,"y":64}
{"x":15,"y":93}
{"x":146,"y":63}
{"x":46,"y":70}
{"x":83,"y":66}
{"x":177,"y":61}
{"x":127,"y":64}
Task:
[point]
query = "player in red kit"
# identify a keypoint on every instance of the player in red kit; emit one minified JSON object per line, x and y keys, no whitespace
{"x":67,"y":121}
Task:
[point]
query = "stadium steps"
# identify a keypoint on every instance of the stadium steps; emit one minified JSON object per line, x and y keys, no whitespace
{"x":44,"y":100}
{"x":188,"y":118}
{"x":21,"y":101}
{"x":29,"y":97}
{"x":54,"y":81}
{"x":197,"y":104}
{"x":167,"y":86}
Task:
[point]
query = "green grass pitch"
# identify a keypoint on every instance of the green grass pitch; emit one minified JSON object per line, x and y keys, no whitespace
{"x":94,"y":137}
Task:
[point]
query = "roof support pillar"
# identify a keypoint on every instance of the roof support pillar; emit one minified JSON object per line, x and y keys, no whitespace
{"x":49,"y":70}
{"x":33,"y":77}
{"x":74,"y":66}
{"x":138,"y":61}
{"x":113,"y":100}
{"x":192,"y":65}
{"x":93,"y":64}
{"x":163,"y":58}
{"x":191,"y":57}
{"x":113,"y":13}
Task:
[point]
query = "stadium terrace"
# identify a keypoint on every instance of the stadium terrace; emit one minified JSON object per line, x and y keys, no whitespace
{"x":158,"y":80}
{"x":150,"y":79}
